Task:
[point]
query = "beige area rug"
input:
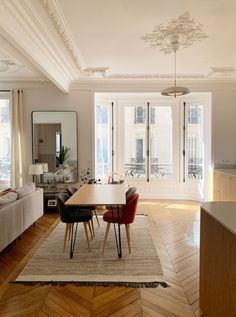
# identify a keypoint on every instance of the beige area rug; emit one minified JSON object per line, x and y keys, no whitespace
{"x":141,"y":268}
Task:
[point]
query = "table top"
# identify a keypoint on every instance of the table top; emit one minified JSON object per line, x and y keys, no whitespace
{"x":96,"y":194}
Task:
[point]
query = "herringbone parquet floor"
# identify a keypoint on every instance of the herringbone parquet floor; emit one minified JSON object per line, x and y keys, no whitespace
{"x":175,"y":230}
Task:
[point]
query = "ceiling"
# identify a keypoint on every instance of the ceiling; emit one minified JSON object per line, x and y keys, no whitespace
{"x":68,"y":40}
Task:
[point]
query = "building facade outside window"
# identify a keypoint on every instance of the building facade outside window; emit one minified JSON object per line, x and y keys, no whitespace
{"x":5,"y":140}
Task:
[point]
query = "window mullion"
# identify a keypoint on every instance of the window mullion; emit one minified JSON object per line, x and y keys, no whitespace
{"x":148,"y":142}
{"x":112,"y":138}
{"x":184,"y":140}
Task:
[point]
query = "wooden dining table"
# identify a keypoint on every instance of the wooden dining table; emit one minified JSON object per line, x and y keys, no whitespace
{"x":112,"y":195}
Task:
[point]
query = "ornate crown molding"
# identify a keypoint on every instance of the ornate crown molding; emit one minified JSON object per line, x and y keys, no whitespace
{"x":56,"y":15}
{"x":25,"y":25}
{"x":181,"y":31}
{"x":96,"y":72}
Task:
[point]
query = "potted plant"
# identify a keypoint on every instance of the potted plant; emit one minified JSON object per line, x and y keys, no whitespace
{"x":64,"y":154}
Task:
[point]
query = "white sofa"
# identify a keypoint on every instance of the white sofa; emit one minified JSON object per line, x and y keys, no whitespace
{"x":17,"y":216}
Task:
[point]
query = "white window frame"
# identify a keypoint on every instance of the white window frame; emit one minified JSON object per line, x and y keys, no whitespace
{"x":8,"y":95}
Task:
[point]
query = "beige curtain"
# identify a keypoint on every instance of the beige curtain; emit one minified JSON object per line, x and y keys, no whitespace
{"x":17,"y":146}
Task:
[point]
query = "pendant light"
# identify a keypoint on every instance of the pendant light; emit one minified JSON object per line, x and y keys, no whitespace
{"x":175,"y":90}
{"x":180,"y":32}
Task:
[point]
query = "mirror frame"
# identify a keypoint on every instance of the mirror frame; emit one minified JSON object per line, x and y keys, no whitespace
{"x":55,"y":111}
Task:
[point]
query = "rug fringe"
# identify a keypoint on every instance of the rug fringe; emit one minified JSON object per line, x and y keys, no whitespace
{"x":104,"y":284}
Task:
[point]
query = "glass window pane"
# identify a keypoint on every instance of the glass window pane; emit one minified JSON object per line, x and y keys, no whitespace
{"x":161,"y":142}
{"x":135,"y":141}
{"x":194,"y":142}
{"x":5,"y":143}
{"x":103,"y":141}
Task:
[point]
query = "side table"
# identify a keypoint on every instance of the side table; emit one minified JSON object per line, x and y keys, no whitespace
{"x":50,"y":196}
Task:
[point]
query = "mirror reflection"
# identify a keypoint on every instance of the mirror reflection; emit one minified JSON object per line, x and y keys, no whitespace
{"x":55,"y":143}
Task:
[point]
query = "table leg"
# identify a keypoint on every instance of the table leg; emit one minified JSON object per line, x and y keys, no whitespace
{"x":119,"y":235}
{"x":73,"y":238}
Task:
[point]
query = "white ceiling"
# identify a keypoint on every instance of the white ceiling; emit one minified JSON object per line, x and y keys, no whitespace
{"x":66,"y":40}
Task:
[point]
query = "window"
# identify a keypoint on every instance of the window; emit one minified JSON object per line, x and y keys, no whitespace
{"x":139,"y":161}
{"x":135,"y":141}
{"x":146,"y":140}
{"x":140,"y":113}
{"x":153,"y":115}
{"x":194,"y":114}
{"x":161,"y":142}
{"x":5,"y":140}
{"x":103,"y":159}
{"x":194,"y":142}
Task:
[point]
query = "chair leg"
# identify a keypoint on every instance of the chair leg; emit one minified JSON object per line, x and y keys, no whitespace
{"x":95,"y":212}
{"x":86,"y":233}
{"x":90,"y":230}
{"x":73,"y":238}
{"x":66,"y":235}
{"x":70,"y":227}
{"x":105,"y":238}
{"x":128,"y":236}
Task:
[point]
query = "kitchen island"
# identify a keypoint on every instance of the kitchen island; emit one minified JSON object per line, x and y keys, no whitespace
{"x":218,"y":259}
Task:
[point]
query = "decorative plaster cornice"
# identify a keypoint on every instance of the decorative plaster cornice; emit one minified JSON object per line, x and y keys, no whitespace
{"x":98,"y":72}
{"x":154,"y":76}
{"x":23,"y":24}
{"x":60,"y":23}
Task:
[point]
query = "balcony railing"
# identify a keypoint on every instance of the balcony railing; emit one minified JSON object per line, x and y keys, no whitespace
{"x":195,"y":171}
{"x":136,"y":170}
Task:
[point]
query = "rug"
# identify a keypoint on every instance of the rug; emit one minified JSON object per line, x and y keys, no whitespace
{"x":140,"y":268}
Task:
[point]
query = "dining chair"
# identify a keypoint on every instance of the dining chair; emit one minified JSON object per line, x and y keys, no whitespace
{"x":130,"y":192}
{"x":127,"y":216}
{"x":71,"y":190}
{"x":115,"y":178}
{"x":73,"y":215}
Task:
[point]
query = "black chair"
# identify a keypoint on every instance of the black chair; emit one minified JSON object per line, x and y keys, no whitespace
{"x":73,"y":215}
{"x":130,"y":192}
{"x":71,"y":190}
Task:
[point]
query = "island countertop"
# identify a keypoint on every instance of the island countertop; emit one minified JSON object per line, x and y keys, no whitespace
{"x":227,"y":171}
{"x":223,"y":212}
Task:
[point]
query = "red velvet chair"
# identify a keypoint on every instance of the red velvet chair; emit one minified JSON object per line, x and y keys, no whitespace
{"x":127,"y":216}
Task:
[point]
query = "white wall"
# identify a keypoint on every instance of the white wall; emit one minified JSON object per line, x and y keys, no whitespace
{"x":81,"y":99}
{"x":224,"y":126}
{"x":52,"y":99}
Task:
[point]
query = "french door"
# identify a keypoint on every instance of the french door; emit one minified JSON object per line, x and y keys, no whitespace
{"x":148,"y":140}
{"x":152,"y":140}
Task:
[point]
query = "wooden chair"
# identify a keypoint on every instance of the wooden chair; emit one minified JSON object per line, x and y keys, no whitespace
{"x":127,"y":216}
{"x":115,"y":178}
{"x":73,"y":215}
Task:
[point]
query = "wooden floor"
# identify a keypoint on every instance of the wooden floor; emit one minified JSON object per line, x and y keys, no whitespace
{"x":175,"y":230}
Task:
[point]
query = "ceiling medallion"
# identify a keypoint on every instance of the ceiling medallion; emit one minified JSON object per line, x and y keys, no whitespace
{"x":180,"y":32}
{"x":184,"y":26}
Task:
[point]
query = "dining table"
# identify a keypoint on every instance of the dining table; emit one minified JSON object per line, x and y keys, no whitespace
{"x":110,"y":195}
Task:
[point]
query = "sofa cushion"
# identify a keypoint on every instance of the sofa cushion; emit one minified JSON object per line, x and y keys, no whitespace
{"x":7,"y":199}
{"x":25,"y":190}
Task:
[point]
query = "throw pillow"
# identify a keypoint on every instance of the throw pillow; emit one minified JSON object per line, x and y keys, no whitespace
{"x":25,"y":190}
{"x":7,"y":199}
{"x":5,"y":191}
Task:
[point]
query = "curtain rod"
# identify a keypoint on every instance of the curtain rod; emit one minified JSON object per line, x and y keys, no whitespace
{"x":5,"y":90}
